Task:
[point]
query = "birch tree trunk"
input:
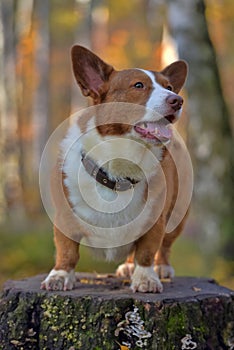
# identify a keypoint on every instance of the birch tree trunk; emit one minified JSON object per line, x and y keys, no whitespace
{"x":210,"y":131}
{"x":41,"y":94}
{"x":11,"y":203}
{"x":83,"y":37}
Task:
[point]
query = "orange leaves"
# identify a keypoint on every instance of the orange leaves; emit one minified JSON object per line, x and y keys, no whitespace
{"x":122,"y":347}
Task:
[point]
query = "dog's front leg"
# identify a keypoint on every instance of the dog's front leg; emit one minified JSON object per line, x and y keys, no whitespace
{"x":62,"y":276}
{"x":144,"y":278}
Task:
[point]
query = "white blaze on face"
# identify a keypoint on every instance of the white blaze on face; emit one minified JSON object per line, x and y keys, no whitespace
{"x":157,"y":100}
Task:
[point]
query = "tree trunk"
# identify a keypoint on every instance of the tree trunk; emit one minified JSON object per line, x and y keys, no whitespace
{"x":82,"y":37}
{"x":24,"y":42}
{"x":11,"y":201}
{"x":102,"y":313}
{"x":210,"y":133}
{"x":41,"y":94}
{"x":3,"y":206}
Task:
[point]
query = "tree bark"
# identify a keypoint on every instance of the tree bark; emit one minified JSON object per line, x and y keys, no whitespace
{"x":3,"y":206}
{"x":82,"y":36}
{"x":102,"y":313}
{"x":40,"y":113}
{"x":11,"y":198}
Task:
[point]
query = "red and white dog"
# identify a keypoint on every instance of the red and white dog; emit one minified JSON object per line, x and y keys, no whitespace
{"x":116,"y":182}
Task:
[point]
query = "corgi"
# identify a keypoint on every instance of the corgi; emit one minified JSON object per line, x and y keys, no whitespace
{"x":116,"y":180}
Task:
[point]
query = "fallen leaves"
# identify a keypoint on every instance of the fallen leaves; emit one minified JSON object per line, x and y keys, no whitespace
{"x":122,"y":347}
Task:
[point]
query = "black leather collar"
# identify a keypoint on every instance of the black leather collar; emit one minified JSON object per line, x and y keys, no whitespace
{"x":101,"y":176}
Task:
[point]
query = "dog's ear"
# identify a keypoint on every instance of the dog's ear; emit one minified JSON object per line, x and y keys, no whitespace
{"x":176,"y":73}
{"x":90,"y":71}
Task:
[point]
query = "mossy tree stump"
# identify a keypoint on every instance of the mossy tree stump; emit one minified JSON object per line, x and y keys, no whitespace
{"x":102,"y":313}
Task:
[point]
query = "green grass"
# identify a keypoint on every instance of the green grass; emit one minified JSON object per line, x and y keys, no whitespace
{"x":30,"y":251}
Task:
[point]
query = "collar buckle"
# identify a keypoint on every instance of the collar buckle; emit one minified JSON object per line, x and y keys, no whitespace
{"x":118,"y":185}
{"x":123,"y":185}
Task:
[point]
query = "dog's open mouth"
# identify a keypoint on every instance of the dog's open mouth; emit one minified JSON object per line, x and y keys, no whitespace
{"x":158,"y":131}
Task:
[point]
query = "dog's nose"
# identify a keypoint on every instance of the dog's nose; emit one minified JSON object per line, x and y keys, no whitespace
{"x":175,"y":101}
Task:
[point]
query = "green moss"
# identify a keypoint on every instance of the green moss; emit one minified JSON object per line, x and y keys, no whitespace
{"x":74,"y":324}
{"x":177,"y":321}
{"x":228,"y":334}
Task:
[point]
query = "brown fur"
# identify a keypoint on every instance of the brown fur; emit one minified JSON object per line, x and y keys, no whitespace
{"x":155,"y":244}
{"x":108,"y":85}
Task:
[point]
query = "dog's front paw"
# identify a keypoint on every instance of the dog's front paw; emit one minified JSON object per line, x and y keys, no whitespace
{"x":59,"y":280}
{"x":164,"y":271}
{"x":145,"y":279}
{"x":125,"y":270}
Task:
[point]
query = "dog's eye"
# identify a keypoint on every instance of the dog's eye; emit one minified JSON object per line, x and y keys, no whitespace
{"x":139,"y":85}
{"x":169,"y":87}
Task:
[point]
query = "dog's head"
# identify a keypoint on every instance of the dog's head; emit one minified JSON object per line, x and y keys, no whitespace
{"x":156,"y":91}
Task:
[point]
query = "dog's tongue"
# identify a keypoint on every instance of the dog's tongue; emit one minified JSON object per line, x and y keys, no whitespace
{"x":158,"y":130}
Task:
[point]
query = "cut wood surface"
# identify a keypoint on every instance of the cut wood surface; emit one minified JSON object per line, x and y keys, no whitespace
{"x":102,"y":313}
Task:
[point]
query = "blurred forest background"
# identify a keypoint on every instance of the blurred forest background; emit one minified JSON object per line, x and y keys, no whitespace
{"x":38,"y":92}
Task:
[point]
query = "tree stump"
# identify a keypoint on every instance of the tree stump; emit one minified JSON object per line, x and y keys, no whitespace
{"x":102,"y":313}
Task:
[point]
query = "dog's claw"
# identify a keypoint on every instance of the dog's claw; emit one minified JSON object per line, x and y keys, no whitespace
{"x":164,"y":271}
{"x":146,"y":280}
{"x":59,"y":280}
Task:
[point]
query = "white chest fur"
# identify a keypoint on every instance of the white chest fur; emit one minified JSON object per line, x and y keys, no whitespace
{"x":114,"y":220}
